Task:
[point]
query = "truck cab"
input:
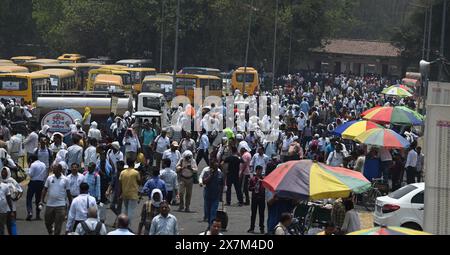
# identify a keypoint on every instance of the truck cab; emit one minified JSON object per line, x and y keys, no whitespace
{"x":149,"y":104}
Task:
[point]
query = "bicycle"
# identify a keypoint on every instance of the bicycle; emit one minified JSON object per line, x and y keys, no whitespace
{"x":369,"y":197}
{"x":313,"y":215}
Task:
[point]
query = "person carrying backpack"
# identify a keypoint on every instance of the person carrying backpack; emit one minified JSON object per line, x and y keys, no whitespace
{"x":92,"y":226}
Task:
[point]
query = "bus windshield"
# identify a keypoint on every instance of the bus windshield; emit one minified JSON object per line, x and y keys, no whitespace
{"x":126,"y":78}
{"x":157,"y":87}
{"x":248,"y":77}
{"x":12,"y":83}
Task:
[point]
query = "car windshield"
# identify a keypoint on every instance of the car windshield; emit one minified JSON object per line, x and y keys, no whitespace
{"x":402,"y":192}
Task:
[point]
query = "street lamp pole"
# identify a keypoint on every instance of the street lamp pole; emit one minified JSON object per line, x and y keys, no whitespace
{"x":275,"y":45}
{"x":425,"y":27}
{"x":176,"y":45}
{"x":441,"y":51}
{"x":162,"y":37}
{"x":430,"y":26}
{"x":248,"y":44}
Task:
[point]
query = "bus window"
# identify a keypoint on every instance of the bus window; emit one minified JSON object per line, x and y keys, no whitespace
{"x":12,"y":83}
{"x":186,"y":83}
{"x":37,"y":86}
{"x":248,"y":77}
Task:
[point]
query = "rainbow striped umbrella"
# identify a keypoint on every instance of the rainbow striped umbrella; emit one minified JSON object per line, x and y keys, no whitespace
{"x":406,"y":87}
{"x":382,"y":137}
{"x":399,"y":115}
{"x":351,"y":129}
{"x":382,"y":231}
{"x":396,"y":91}
{"x":309,"y":180}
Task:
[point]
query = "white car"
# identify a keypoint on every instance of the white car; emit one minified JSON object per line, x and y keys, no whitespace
{"x":403,"y":207}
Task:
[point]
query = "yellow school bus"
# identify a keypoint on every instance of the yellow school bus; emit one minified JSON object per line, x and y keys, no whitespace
{"x":185,"y":84}
{"x":13,"y":69}
{"x":72,"y":58}
{"x":108,"y":82}
{"x":251,"y":80}
{"x":22,"y":59}
{"x":61,"y":79}
{"x":37,"y":64}
{"x":126,"y":77}
{"x":5,"y":62}
{"x":138,"y":75}
{"x":23,"y":85}
{"x":81,"y":71}
{"x":159,"y":84}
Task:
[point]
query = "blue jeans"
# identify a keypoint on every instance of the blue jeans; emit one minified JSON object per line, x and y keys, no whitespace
{"x":211,"y":209}
{"x":34,"y":189}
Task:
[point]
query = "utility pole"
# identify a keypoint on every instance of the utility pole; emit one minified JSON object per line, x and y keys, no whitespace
{"x":425,"y":27}
{"x":176,"y":45}
{"x":441,"y":51}
{"x":162,"y":37}
{"x":275,"y":45}
{"x":248,"y":44}
{"x":430,"y":26}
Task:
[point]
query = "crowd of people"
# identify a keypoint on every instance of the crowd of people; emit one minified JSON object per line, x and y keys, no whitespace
{"x":77,"y":176}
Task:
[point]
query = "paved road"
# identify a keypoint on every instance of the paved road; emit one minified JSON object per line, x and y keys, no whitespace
{"x":189,"y":223}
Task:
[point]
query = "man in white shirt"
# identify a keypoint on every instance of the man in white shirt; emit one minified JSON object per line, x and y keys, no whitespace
{"x":132,"y":145}
{"x":57,"y":187}
{"x":5,"y":206}
{"x":122,"y":227}
{"x":386,"y":163}
{"x":259,"y":159}
{"x":173,"y":154}
{"x":91,"y":226}
{"x":114,"y":155}
{"x":301,"y":122}
{"x":90,"y":154}
{"x":57,"y":144}
{"x":37,"y":173}
{"x":15,"y":146}
{"x":75,"y":179}
{"x":164,"y":223}
{"x":162,"y":144}
{"x":411,"y":163}
{"x":31,"y":142}
{"x":94,"y":132}
{"x":285,"y":144}
{"x":170,"y":179}
{"x":78,"y":211}
{"x":74,"y":152}
{"x":203,"y":147}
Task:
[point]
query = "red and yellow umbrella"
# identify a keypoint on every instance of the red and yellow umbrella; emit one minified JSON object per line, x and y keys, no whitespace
{"x":351,"y":129}
{"x":309,"y":180}
{"x":399,"y":115}
{"x":382,"y":137}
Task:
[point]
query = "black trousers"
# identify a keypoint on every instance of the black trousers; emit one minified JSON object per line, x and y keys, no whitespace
{"x":169,"y":197}
{"x":234,"y":180}
{"x":202,"y":154}
{"x":411,"y":173}
{"x":258,"y":205}
{"x":244,"y":184}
